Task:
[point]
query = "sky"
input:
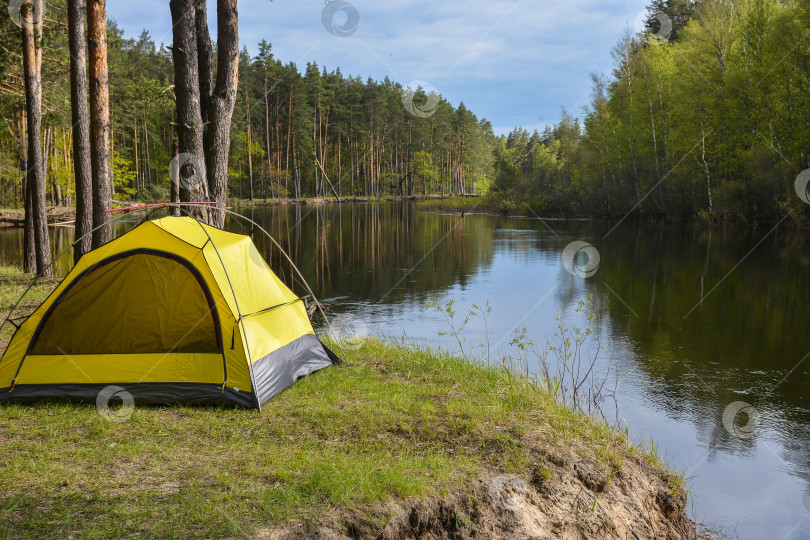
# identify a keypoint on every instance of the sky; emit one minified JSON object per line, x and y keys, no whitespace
{"x":513,"y":62}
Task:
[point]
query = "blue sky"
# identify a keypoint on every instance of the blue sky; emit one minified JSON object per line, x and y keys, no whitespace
{"x":514,"y":62}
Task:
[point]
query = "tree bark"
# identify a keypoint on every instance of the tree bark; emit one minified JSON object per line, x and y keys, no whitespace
{"x":190,"y":160}
{"x":29,"y":251}
{"x":45,"y":153}
{"x":175,"y":184}
{"x":204,"y":58}
{"x":705,"y":166}
{"x":135,"y":151}
{"x":100,"y":121}
{"x":81,"y":128}
{"x":220,"y":106}
{"x":267,"y":136}
{"x":146,"y":146}
{"x":290,"y":112}
{"x":29,"y":241}
{"x":39,"y":6}
{"x":249,"y":153}
{"x":35,"y":173}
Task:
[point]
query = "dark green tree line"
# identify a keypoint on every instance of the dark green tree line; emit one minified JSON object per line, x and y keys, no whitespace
{"x":294,"y":132}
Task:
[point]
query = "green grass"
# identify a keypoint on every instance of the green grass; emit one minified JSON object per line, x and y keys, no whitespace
{"x":395,"y":422}
{"x":13,"y":282}
{"x":484,"y":204}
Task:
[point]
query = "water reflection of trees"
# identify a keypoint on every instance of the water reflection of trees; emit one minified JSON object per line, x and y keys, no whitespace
{"x":754,"y":325}
{"x":11,"y":248}
{"x":374,"y":252}
{"x":736,"y":345}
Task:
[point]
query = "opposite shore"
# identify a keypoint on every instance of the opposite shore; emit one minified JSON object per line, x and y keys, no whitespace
{"x":463,"y":204}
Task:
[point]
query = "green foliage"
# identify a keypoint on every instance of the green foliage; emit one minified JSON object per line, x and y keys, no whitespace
{"x":157,"y":192}
{"x":706,"y":124}
{"x":703,"y":125}
{"x":289,"y":123}
{"x":425,"y":171}
{"x":60,"y":171}
{"x":123,"y":177}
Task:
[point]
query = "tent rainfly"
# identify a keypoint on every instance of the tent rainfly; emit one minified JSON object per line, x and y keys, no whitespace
{"x":172,"y":311}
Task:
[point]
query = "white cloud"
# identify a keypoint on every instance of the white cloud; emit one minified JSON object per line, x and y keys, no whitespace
{"x":515,"y":63}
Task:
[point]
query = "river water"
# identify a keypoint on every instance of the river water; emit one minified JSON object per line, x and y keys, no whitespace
{"x":700,"y":324}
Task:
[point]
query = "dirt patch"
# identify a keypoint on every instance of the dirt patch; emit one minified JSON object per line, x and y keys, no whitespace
{"x":593,"y":476}
{"x":565,"y":497}
{"x":128,"y":476}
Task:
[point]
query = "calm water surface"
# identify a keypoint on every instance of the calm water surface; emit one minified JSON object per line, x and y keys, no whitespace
{"x":680,"y":362}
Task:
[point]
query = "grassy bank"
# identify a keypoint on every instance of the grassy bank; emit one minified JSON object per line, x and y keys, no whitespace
{"x":355,"y":449}
{"x":13,"y":282}
{"x":484,"y":203}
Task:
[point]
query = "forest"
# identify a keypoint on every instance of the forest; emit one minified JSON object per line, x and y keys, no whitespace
{"x":703,"y":118}
{"x":295,"y":132}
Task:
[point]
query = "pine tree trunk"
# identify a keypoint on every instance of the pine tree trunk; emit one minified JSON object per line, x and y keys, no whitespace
{"x":190,"y":160}
{"x":220,"y":106}
{"x":289,"y":139}
{"x":38,"y":28}
{"x":204,"y":59}
{"x":100,"y":121}
{"x":267,"y":136}
{"x":35,"y":173}
{"x":146,"y":146}
{"x":45,"y":153}
{"x":277,"y":137}
{"x":249,"y":153}
{"x":340,"y":169}
{"x":29,"y":251}
{"x":175,"y":183}
{"x":135,"y":152}
{"x":30,"y":255}
{"x":205,"y":70}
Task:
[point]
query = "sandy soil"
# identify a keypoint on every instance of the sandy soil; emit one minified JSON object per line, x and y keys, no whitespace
{"x":564,"y":497}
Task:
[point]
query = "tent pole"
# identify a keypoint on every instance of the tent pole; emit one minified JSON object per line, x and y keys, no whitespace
{"x":304,"y":281}
{"x":236,"y":302}
{"x":53,"y":261}
{"x":129,"y":211}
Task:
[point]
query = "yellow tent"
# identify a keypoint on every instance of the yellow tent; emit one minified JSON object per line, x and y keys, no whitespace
{"x":173,"y":310}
